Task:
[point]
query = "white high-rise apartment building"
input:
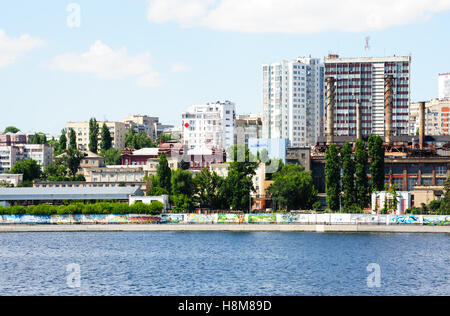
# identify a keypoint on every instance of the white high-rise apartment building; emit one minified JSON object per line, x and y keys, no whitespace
{"x":293,"y":101}
{"x":444,"y":86}
{"x":209,"y":126}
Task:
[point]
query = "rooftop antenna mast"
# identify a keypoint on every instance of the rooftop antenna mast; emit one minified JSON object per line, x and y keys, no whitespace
{"x":367,"y":45}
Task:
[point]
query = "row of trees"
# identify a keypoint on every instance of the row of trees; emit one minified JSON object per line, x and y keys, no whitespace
{"x":347,"y":173}
{"x":106,"y":208}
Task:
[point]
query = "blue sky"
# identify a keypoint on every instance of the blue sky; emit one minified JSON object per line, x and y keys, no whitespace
{"x":162,"y":57}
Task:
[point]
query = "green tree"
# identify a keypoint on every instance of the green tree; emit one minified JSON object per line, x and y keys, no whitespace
{"x":38,"y":139}
{"x":239,"y":183}
{"x":72,"y":159}
{"x":210,"y":190}
{"x":11,"y":129}
{"x":332,"y":177}
{"x":72,"y":139}
{"x":112,"y":157}
{"x":62,"y":141}
{"x":348,"y":176}
{"x":138,"y":140}
{"x":29,"y":168}
{"x":376,"y":155}
{"x":106,"y":143}
{"x":361,"y":179}
{"x":164,"y":174}
{"x":93,"y":135}
{"x":183,"y":190}
{"x":293,"y":188}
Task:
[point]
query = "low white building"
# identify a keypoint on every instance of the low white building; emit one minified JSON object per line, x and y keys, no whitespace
{"x":380,"y":199}
{"x":164,"y":199}
{"x":13,"y":179}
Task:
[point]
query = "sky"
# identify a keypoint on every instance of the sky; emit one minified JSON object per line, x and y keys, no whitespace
{"x":66,"y":61}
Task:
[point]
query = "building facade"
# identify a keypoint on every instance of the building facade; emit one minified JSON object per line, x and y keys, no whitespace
{"x":248,"y":126}
{"x":209,"y":126}
{"x":117,"y":130}
{"x":293,"y":101}
{"x":9,"y":155}
{"x":444,"y":86}
{"x":437,"y":117}
{"x":362,"y":81}
{"x":146,"y":124}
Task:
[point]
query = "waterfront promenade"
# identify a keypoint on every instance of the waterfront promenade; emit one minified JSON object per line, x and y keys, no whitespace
{"x":228,"y":228}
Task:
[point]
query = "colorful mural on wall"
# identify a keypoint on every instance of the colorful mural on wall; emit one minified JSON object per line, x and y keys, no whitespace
{"x":302,"y":219}
{"x":443,"y":220}
{"x":405,"y":220}
{"x":231,"y":219}
{"x":202,"y":219}
{"x":261,"y":218}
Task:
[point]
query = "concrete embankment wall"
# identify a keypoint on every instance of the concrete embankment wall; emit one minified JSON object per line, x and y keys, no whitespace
{"x":226,"y":228}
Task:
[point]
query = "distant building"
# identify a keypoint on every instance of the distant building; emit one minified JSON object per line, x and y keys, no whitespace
{"x":444,"y":86}
{"x":293,"y":100}
{"x":299,"y":156}
{"x":13,"y":179}
{"x":146,"y":124}
{"x":115,"y":174}
{"x":9,"y":155}
{"x":248,"y":126}
{"x":209,"y":126}
{"x":380,"y":200}
{"x":362,"y":80}
{"x":10,"y":139}
{"x":117,"y":130}
{"x":437,"y":117}
{"x":276,"y":148}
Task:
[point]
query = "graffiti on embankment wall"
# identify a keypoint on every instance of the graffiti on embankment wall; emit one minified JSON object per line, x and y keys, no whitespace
{"x":299,"y":219}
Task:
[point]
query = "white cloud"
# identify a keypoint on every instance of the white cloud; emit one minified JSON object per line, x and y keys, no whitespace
{"x":13,"y":48}
{"x":106,"y":63}
{"x":294,"y":16}
{"x":180,"y":67}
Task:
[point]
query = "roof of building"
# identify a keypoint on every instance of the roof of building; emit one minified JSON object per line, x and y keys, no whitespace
{"x":146,"y":152}
{"x":62,"y":194}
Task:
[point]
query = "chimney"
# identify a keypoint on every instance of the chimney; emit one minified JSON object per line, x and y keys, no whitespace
{"x":421,"y":124}
{"x":330,"y":109}
{"x":358,"y":120}
{"x":388,"y":94}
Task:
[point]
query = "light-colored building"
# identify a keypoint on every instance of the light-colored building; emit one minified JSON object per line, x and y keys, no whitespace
{"x":117,"y":130}
{"x":293,"y":100}
{"x":9,"y":155}
{"x":444,"y":86}
{"x":12,"y":179}
{"x":152,"y":165}
{"x":248,"y":126}
{"x":221,"y":169}
{"x":362,"y":80}
{"x":115,"y":174}
{"x":164,"y":199}
{"x":276,"y":148}
{"x":437,"y":117}
{"x":143,"y":123}
{"x":379,"y":200}
{"x":209,"y":126}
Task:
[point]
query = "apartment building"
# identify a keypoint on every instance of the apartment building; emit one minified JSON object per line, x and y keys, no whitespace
{"x":248,"y":126}
{"x":437,"y":117}
{"x":293,"y":101}
{"x":9,"y":155}
{"x":117,"y":130}
{"x":444,"y":86}
{"x":149,"y":125}
{"x":209,"y":126}
{"x":362,"y":81}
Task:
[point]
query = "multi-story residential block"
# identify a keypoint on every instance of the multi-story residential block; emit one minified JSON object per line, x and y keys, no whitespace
{"x":444,"y":86}
{"x":437,"y":117}
{"x":362,"y":81}
{"x":149,"y":125}
{"x":115,"y":174}
{"x":209,"y":126}
{"x":9,"y":155}
{"x":117,"y":130}
{"x":293,"y":101}
{"x":11,"y":179}
{"x":248,"y":126}
{"x":10,"y":139}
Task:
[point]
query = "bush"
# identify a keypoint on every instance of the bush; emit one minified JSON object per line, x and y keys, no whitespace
{"x":156,"y":208}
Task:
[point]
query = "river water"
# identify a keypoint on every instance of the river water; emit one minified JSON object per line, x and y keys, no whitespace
{"x":207,"y":264}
